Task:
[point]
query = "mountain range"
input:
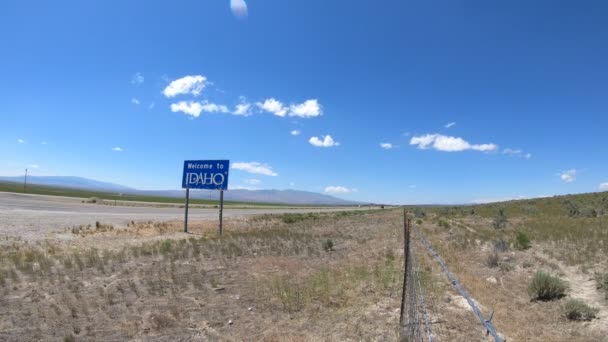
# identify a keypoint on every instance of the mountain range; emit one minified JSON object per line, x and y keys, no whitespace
{"x":238,"y":195}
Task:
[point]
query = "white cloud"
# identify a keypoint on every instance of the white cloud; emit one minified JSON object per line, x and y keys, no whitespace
{"x":568,"y":176}
{"x":189,"y":108}
{"x":604,"y":186}
{"x":43,"y":143}
{"x":273,"y":106}
{"x":295,"y":132}
{"x":151,"y":106}
{"x":337,"y":189}
{"x":255,"y":168}
{"x":326,"y":141}
{"x":308,"y":109}
{"x":243,"y":109}
{"x":116,"y":149}
{"x":253,"y":181}
{"x":33,"y":166}
{"x":292,"y":184}
{"x":186,"y":85}
{"x":450,"y":124}
{"x":21,"y":141}
{"x":209,"y":107}
{"x":135,"y":101}
{"x":194,"y":108}
{"x":386,"y":146}
{"x":137,"y":79}
{"x":445,"y":143}
{"x":239,"y":8}
{"x":528,"y":155}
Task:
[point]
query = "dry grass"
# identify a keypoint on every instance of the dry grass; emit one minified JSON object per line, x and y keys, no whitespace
{"x":572,"y":247}
{"x":270,"y":276}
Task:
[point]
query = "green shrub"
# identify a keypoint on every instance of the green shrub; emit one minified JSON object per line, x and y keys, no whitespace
{"x":444,"y":223}
{"x":500,"y":221}
{"x":522,"y":241}
{"x":418,"y":221}
{"x":165,"y":246}
{"x":546,"y":287}
{"x":577,"y":310}
{"x":328,"y":245}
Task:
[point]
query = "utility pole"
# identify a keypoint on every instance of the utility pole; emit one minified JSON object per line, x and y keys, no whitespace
{"x":25,"y":182}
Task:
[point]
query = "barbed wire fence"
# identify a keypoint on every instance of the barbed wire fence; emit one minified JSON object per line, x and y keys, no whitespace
{"x":414,"y":318}
{"x":415,"y":321}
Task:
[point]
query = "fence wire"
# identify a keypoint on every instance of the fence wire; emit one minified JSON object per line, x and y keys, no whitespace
{"x":415,"y":318}
{"x":487,"y":323}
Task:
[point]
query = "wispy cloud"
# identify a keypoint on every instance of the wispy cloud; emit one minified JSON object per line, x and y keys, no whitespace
{"x":137,"y":79}
{"x":252,"y":181}
{"x":194,"y":108}
{"x":255,"y":168}
{"x":43,"y":143}
{"x":151,"y":106}
{"x":135,"y":101}
{"x":191,"y":84}
{"x":517,"y":153}
{"x":604,"y":186}
{"x":33,"y":166}
{"x":243,"y":108}
{"x":386,"y":146}
{"x":337,"y":189}
{"x":21,"y":141}
{"x":209,"y":107}
{"x":295,"y":132}
{"x":324,"y":141}
{"x":117,"y":149}
{"x":450,"y":124}
{"x":568,"y":176}
{"x":445,"y":143}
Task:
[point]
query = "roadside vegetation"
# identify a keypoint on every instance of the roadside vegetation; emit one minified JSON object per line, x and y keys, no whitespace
{"x":149,"y":280}
{"x":539,"y":265}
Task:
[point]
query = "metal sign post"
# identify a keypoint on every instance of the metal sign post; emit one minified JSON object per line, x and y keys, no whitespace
{"x":205,"y":174}
{"x":221,"y":209}
{"x":186,"y":217}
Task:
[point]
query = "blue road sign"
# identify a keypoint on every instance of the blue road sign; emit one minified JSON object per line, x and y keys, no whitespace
{"x":206,"y":174}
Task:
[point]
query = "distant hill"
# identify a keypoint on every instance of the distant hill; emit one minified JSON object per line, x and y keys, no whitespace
{"x":295,"y":197}
{"x":70,"y":182}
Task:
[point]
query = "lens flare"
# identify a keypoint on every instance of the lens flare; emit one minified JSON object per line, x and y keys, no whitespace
{"x":239,"y":8}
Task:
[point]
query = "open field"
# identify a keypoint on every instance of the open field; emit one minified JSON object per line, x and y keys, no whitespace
{"x":291,"y":277}
{"x":332,"y":276}
{"x":495,"y":256}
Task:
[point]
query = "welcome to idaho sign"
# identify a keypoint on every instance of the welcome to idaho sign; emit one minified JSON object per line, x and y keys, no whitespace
{"x":206,"y":174}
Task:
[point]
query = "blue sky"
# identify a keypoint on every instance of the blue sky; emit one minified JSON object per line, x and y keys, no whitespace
{"x":124,"y":91}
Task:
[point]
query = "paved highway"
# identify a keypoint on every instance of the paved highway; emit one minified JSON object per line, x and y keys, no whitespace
{"x":28,"y":215}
